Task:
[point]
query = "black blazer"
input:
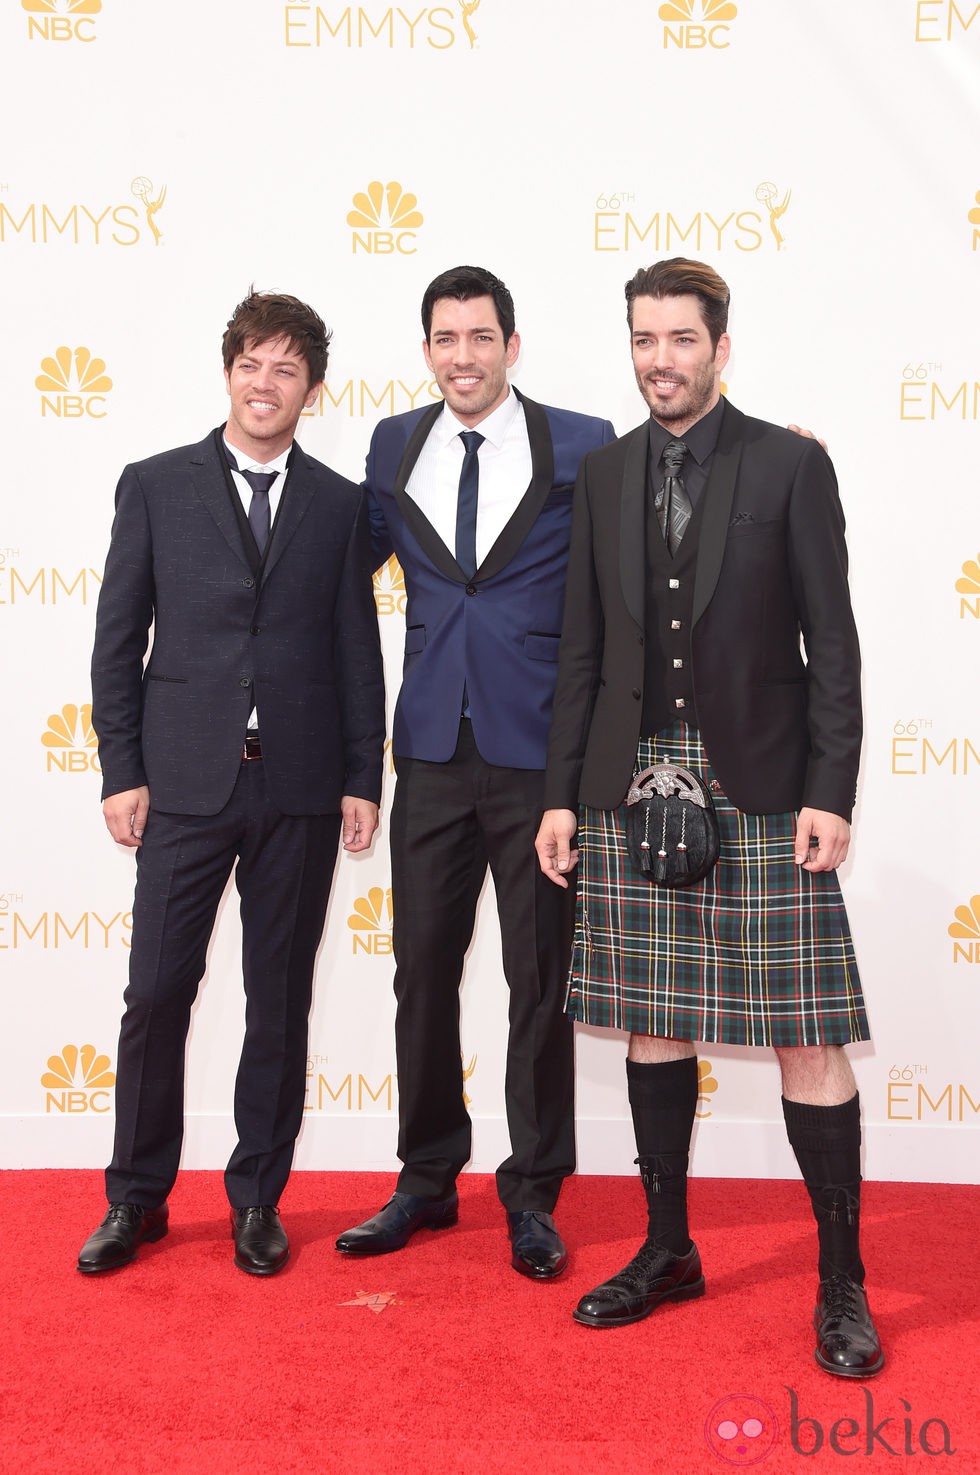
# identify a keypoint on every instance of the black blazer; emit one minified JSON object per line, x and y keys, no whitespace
{"x":781,"y":732}
{"x":297,"y":636}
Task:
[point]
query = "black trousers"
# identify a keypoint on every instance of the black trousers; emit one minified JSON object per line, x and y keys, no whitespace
{"x":285,"y":867}
{"x":448,"y":822}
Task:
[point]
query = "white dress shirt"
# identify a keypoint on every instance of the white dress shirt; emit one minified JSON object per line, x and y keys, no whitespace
{"x":505,"y":473}
{"x":242,"y":459}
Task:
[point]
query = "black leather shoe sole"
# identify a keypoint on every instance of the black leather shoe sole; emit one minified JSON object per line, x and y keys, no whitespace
{"x":849,"y":1372}
{"x":680,"y":1293}
{"x":538,"y":1272}
{"x":251,"y":1269}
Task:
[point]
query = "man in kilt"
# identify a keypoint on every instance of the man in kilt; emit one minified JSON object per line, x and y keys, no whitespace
{"x":704,"y":546}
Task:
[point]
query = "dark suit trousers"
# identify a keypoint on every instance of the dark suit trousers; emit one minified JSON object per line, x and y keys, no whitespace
{"x":285,"y":867}
{"x":448,"y":821}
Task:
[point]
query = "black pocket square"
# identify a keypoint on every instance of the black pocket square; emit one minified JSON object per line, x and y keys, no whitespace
{"x":740,"y":519}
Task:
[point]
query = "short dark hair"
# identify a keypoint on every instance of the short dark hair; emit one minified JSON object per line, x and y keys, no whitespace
{"x":680,"y":277}
{"x":464,"y":283}
{"x":262,"y":317}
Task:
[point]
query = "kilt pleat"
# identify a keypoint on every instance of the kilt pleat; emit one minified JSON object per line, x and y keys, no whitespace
{"x":758,"y":953}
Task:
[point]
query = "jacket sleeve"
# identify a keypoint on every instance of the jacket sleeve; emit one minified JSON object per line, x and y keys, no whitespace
{"x":360,"y":673}
{"x":122,"y":626}
{"x":579,"y":660}
{"x":818,"y":569}
{"x":382,"y":546}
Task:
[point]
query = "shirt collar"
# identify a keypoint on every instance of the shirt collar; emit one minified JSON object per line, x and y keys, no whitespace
{"x":241,"y":461}
{"x":700,"y":439}
{"x":495,"y":428}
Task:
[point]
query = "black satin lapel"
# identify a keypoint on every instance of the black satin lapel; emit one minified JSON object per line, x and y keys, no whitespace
{"x":297,"y":495}
{"x":211,"y":476}
{"x":719,"y":495}
{"x":523,"y":518}
{"x":414,"y":518}
{"x":632,"y":525}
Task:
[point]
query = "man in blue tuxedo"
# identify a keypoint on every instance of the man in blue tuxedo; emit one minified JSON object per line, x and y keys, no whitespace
{"x":252,"y":739}
{"x":474,"y":497}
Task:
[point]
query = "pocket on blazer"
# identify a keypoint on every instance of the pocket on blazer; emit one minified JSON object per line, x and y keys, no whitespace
{"x":173,"y":680}
{"x":414,"y":639}
{"x":541,"y":647}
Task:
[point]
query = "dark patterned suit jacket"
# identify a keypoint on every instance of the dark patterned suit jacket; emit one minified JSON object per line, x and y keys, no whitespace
{"x":295,"y":635}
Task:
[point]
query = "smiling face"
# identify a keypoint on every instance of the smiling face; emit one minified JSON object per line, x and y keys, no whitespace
{"x":468,"y":356}
{"x":677,"y":369}
{"x":269,"y":386}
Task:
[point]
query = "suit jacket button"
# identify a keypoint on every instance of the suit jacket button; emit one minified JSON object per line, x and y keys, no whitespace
{"x":471,"y":588}
{"x":245,"y":681}
{"x":255,"y":629}
{"x":249,"y":583}
{"x":636,"y":692}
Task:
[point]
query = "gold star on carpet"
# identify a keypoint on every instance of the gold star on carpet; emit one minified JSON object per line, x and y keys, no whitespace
{"x":375,"y":1301}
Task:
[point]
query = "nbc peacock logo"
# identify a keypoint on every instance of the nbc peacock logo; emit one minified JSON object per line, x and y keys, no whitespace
{"x":78,"y":1080}
{"x":707,"y":1086}
{"x":384,"y":220}
{"x":965,"y":932}
{"x":694,"y":25}
{"x":70,"y":740}
{"x":467,"y":1075}
{"x":389,"y":588}
{"x":370,"y":923}
{"x":968,"y":588}
{"x":61,"y":20}
{"x":73,"y":384}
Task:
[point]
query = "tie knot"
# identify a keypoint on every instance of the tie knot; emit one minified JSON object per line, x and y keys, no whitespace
{"x":260,"y":481}
{"x":673,"y":457}
{"x":472,"y":440}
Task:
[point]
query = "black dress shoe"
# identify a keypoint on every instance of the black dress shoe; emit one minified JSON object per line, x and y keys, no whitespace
{"x":847,"y":1343}
{"x":115,"y":1241}
{"x":261,"y":1246}
{"x":535,"y":1245}
{"x":393,"y":1227}
{"x":654,"y":1275}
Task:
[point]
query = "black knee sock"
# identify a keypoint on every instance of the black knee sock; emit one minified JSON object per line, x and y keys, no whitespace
{"x":827,"y":1144}
{"x":663,"y":1100}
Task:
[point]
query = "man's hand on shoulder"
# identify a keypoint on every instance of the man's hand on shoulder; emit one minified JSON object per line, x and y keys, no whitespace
{"x":807,"y":435}
{"x":125,"y":815}
{"x":821,"y":840}
{"x":556,"y":857}
{"x":360,"y":820}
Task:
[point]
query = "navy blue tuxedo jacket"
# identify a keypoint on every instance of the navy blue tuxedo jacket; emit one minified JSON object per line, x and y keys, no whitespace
{"x":295,"y":635}
{"x":498,"y":631}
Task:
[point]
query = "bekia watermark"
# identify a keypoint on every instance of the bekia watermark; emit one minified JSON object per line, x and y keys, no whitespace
{"x":894,"y":1435}
{"x":742,"y":1430}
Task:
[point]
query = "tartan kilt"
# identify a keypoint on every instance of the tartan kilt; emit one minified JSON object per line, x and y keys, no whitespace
{"x":758,"y":953}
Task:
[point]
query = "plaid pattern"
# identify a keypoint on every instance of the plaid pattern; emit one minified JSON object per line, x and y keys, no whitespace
{"x":758,"y":953}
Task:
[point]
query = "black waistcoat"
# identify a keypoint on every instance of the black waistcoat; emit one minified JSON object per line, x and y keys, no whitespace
{"x":668,"y":692}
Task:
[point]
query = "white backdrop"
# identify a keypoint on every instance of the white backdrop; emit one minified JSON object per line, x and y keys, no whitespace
{"x":158,"y":158}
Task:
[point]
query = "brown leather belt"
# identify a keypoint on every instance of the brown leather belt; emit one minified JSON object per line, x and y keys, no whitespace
{"x":252,"y":748}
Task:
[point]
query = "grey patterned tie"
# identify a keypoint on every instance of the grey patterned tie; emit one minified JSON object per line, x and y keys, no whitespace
{"x":259,"y":519}
{"x":672,"y":502}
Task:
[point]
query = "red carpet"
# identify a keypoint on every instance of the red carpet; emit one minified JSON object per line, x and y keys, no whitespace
{"x":180,"y":1363}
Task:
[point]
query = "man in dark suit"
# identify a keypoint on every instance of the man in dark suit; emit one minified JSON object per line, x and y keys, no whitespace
{"x":705,"y":545}
{"x":254,"y":735}
{"x":474,"y":497}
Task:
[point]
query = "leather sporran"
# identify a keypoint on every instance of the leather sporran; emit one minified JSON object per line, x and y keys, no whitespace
{"x":671,"y":826}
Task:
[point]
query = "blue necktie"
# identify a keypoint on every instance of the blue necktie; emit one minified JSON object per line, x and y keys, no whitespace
{"x":466,"y":502}
{"x":259,"y":519}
